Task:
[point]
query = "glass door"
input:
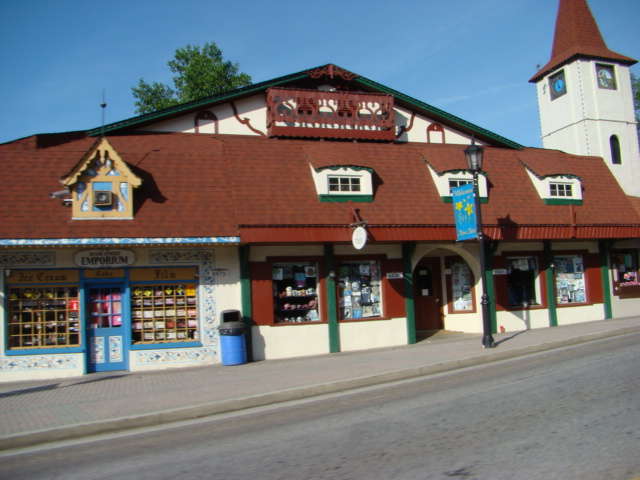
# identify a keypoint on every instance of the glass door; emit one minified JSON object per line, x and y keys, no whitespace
{"x":106,"y":338}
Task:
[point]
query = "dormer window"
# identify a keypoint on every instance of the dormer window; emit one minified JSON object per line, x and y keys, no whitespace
{"x":445,"y":181}
{"x":341,"y":183}
{"x":561,"y":190}
{"x":558,"y":189}
{"x":457,"y":182}
{"x":101,"y":185}
{"x":344,"y":184}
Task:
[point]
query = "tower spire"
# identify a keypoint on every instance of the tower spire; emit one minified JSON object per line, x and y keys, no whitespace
{"x":577,"y":36}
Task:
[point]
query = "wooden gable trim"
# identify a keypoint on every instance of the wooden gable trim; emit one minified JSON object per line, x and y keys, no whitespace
{"x":101,"y":173}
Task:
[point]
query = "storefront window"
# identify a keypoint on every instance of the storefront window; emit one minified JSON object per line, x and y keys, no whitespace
{"x":359,"y":290}
{"x":43,"y":317}
{"x":164,"y":313}
{"x":625,"y":267}
{"x":295,"y":292}
{"x":568,"y":272}
{"x":522,"y":279}
{"x":461,"y":284}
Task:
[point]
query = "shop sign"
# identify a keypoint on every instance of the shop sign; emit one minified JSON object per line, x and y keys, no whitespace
{"x":359,"y":238}
{"x":105,"y":258}
{"x":394,"y":275}
{"x":499,"y":271}
{"x":105,"y":273}
{"x":163,"y":274}
{"x":17,"y":277}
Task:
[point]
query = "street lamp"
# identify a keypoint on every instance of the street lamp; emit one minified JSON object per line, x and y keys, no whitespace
{"x":473,"y":154}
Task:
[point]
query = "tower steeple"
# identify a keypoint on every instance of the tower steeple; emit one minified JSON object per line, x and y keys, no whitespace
{"x":585,"y":96}
{"x":577,"y":36}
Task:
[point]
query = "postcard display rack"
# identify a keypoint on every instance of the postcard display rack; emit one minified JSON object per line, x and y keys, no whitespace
{"x":569,"y":273}
{"x":164,"y":313}
{"x":461,"y":286}
{"x":359,"y":290}
{"x":295,"y":293}
{"x":43,"y":317}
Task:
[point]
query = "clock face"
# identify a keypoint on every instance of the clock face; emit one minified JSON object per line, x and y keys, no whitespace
{"x":558,"y":85}
{"x":605,"y":77}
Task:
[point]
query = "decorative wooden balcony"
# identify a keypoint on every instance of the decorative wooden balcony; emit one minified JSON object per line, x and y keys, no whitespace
{"x":318,"y":114}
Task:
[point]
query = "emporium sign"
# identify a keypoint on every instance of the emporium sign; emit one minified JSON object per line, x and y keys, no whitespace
{"x":105,"y":258}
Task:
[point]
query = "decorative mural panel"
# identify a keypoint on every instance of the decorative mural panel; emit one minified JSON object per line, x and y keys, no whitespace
{"x":23,"y":259}
{"x":156,"y":357}
{"x":97,"y":350}
{"x":39,"y":362}
{"x":115,"y":349}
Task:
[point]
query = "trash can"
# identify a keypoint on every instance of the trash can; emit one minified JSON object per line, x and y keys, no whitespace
{"x":232,"y":342}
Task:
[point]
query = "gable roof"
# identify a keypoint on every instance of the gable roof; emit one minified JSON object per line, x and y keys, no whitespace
{"x":577,"y":36}
{"x":85,"y":163}
{"x":309,"y":77}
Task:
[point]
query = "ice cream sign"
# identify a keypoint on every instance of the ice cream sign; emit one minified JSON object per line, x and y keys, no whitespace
{"x":105,"y":258}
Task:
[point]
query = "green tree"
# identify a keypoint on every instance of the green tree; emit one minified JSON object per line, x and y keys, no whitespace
{"x":200,"y":73}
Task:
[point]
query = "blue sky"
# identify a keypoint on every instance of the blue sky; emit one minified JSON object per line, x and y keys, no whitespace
{"x":472,"y":59}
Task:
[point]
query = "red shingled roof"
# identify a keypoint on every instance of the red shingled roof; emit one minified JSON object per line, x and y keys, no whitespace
{"x":206,"y":185}
{"x":577,"y":35}
{"x":183,"y":175}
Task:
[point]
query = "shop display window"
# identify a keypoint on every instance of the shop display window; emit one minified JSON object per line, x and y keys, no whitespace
{"x":164,"y":313}
{"x":295,"y":293}
{"x":568,"y":274}
{"x":626,"y":278}
{"x":359,"y":290}
{"x":461,"y":286}
{"x":523,"y":282}
{"x":43,"y":317}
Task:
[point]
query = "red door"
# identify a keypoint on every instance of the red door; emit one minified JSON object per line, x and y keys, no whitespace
{"x":428,"y":295}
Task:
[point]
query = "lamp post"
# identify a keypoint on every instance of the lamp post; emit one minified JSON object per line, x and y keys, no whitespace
{"x":473,"y":154}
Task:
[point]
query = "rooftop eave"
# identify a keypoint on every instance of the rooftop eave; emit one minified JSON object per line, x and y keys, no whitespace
{"x":479,"y":133}
{"x":556,"y":64}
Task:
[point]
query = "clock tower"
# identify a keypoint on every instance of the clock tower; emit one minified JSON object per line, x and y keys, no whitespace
{"x":585,"y":96}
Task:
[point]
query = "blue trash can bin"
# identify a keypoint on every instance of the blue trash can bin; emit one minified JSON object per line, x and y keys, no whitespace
{"x":232,"y":343}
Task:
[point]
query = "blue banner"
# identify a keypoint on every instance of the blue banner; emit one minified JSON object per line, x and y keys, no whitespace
{"x":464,"y":211}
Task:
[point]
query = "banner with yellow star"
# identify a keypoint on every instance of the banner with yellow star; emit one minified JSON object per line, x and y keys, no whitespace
{"x":464,"y":211}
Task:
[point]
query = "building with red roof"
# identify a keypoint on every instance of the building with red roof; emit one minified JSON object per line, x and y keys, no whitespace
{"x":319,"y":209}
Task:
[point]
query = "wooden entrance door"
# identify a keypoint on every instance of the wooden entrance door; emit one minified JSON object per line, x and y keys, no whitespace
{"x":428,"y":295}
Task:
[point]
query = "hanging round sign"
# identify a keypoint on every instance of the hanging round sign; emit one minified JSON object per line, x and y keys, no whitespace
{"x":359,"y":238}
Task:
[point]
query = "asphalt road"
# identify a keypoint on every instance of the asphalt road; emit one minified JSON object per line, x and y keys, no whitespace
{"x":571,"y":413}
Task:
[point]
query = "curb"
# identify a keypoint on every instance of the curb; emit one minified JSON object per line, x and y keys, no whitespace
{"x":68,"y":432}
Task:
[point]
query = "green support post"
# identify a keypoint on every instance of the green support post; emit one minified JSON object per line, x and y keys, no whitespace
{"x":408,"y":250}
{"x":551,"y":293}
{"x":332,"y":302}
{"x":604,"y":247}
{"x":245,"y":294}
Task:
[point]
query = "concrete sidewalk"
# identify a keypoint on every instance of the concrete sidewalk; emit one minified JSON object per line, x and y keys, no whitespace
{"x":48,"y":410}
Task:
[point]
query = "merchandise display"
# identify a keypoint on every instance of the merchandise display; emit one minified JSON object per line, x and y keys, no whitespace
{"x":359,"y":290}
{"x":295,"y":293}
{"x":569,"y":277}
{"x":461,"y":283}
{"x":164,"y":313}
{"x":43,"y":317}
